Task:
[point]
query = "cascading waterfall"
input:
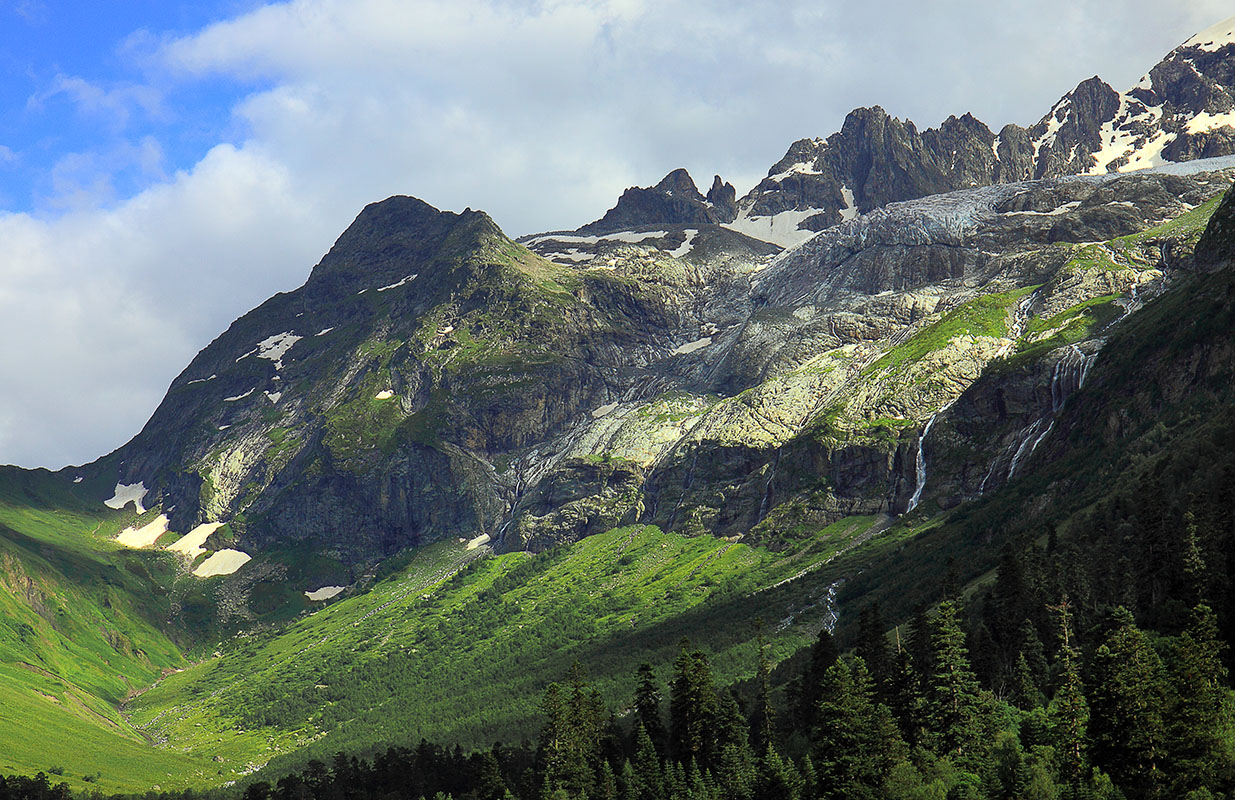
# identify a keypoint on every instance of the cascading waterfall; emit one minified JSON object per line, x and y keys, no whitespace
{"x":767,"y":488}
{"x":1068,"y":377}
{"x":920,"y":464}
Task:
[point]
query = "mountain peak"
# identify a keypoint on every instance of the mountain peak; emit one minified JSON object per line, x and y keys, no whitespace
{"x":393,"y":232}
{"x":680,"y":183}
{"x":673,"y":201}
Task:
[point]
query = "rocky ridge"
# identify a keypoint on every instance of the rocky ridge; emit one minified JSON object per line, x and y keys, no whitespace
{"x":1182,"y":109}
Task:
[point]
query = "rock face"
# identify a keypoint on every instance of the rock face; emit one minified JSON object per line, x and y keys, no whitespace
{"x":434,"y":379}
{"x":675,"y":200}
{"x":671,"y":364}
{"x":1183,"y":109}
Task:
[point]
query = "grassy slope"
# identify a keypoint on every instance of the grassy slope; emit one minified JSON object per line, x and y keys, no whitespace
{"x":467,"y":658}
{"x":76,"y":638}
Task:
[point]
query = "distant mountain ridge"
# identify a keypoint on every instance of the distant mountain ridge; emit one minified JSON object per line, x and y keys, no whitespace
{"x":1182,"y":109}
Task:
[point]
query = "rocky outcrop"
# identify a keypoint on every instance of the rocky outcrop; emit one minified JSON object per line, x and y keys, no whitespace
{"x":673,"y":201}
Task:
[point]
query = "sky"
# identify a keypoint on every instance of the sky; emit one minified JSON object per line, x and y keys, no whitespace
{"x":165,"y":167}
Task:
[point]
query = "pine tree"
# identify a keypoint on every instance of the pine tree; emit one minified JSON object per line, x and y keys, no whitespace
{"x":1069,"y":713}
{"x":873,"y":648}
{"x":647,"y":707}
{"x":762,"y":720}
{"x":952,"y":698}
{"x":1197,"y":706}
{"x":692,"y":709}
{"x":1126,"y":701}
{"x":855,"y":741}
{"x":647,"y":780}
{"x":777,"y":779}
{"x":823,"y":654}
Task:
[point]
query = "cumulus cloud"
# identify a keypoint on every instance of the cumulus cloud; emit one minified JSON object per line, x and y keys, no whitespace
{"x":538,"y":112}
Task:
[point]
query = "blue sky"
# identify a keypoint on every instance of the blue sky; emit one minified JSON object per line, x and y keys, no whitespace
{"x":164,"y":167}
{"x":82,"y":105}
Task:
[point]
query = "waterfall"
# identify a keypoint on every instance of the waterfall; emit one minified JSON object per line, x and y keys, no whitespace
{"x":767,"y":489}
{"x":920,"y":464}
{"x":1069,"y":375}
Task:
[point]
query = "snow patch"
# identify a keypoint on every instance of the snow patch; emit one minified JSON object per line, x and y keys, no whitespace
{"x":273,"y":397}
{"x":202,"y":380}
{"x":324,"y":593}
{"x":572,"y":254}
{"x":779,"y":229}
{"x":78,"y":479}
{"x":275,"y":347}
{"x":222,"y":562}
{"x":1213,"y":38}
{"x":239,"y":396}
{"x":800,"y":168}
{"x":1205,"y":121}
{"x":691,"y":347}
{"x":384,"y":394}
{"x":323,"y":331}
{"x":144,"y":536}
{"x":190,"y":545}
{"x":850,"y":211}
{"x":604,"y":410}
{"x":630,"y":237}
{"x":128,"y":493}
{"x":1119,"y":138}
{"x":478,"y":541}
{"x":1063,"y":209}
{"x":397,"y":284}
{"x":686,"y":246}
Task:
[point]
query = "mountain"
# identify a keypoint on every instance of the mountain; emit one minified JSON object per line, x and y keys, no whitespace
{"x":402,"y":499}
{"x":1182,"y":109}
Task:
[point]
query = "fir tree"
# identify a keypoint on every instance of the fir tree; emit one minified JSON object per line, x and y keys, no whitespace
{"x":1126,"y":701}
{"x":1197,"y":710}
{"x":1069,"y":713}
{"x":647,"y":707}
{"x":692,"y":709}
{"x":952,"y":699}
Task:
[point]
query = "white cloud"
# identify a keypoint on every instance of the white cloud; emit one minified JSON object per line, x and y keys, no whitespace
{"x":538,"y":112}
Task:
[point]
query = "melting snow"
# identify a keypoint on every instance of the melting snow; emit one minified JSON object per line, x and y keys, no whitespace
{"x":800,"y":168}
{"x":686,"y":246}
{"x":850,"y":211}
{"x":604,"y":410}
{"x":275,"y":347}
{"x":126,"y":493}
{"x":1058,"y":114}
{"x":144,"y":536}
{"x":384,"y":394}
{"x":323,"y":331}
{"x":239,"y":396}
{"x":1118,"y":140}
{"x":190,"y":545}
{"x":629,"y":237}
{"x":203,"y":380}
{"x":478,"y":541}
{"x":780,"y":229}
{"x":1205,"y":121}
{"x":397,"y":284}
{"x":222,"y":562}
{"x":1063,"y":209}
{"x":572,"y":254}
{"x":324,"y":593}
{"x":691,"y":347}
{"x":78,"y":479}
{"x":1215,"y":38}
{"x":273,"y":396}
